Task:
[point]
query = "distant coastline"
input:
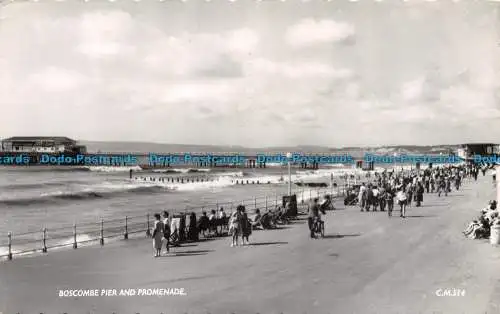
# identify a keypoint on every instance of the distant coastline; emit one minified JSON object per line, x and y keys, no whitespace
{"x":159,"y":148}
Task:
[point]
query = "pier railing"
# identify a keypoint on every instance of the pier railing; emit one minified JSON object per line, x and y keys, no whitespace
{"x":105,"y":230}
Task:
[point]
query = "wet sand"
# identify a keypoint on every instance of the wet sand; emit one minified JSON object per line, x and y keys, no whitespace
{"x":367,"y":263}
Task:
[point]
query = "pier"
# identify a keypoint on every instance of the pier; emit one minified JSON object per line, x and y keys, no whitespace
{"x":164,"y":160}
{"x":246,"y":160}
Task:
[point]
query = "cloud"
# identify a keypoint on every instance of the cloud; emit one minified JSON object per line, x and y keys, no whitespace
{"x":155,"y":71}
{"x":309,"y":32}
{"x":413,"y":90}
{"x":191,"y":55}
{"x":104,"y":34}
{"x":295,"y":70}
{"x":57,"y":80}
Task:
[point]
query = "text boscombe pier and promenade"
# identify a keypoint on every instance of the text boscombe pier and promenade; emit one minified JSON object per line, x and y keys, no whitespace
{"x":235,"y":159}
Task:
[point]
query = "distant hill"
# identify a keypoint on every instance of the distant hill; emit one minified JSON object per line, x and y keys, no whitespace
{"x":144,"y":147}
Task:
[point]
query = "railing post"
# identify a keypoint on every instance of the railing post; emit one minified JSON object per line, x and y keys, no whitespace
{"x":310,"y":194}
{"x":216,"y":206}
{"x":255,"y":202}
{"x":125,"y":236}
{"x":276,"y":200}
{"x":10,"y":246}
{"x":148,"y":231}
{"x":302,"y":196}
{"x":44,"y":240}
{"x":266,"y":202}
{"x":102,"y":231}
{"x":75,"y":244}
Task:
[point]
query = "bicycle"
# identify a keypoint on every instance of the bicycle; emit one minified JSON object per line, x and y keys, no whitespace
{"x":319,"y":227}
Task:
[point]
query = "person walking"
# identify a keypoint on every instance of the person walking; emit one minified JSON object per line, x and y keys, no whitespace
{"x":166,"y":230}
{"x":193,"y":229}
{"x":369,"y":197}
{"x":427,"y":183}
{"x":447,"y":186}
{"x":420,"y":194}
{"x":375,"y":198}
{"x":402,"y":199}
{"x":235,"y":226}
{"x":246,"y":229}
{"x":389,"y":197}
{"x":409,"y":194}
{"x":362,"y":196}
{"x":158,"y":235}
{"x":382,"y":197}
{"x":441,"y":186}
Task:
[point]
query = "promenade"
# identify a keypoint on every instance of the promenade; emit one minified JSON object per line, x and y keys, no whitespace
{"x":367,"y":263}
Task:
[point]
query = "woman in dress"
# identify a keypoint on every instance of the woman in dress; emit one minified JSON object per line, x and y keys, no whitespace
{"x":192,"y":230}
{"x":420,"y":194}
{"x":246,"y":229}
{"x":158,"y":232}
{"x":235,"y":225}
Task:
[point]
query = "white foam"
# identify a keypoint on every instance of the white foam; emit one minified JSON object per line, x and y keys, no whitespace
{"x":113,"y":168}
{"x":123,"y":186}
{"x":182,"y":170}
{"x":191,"y":186}
{"x":232,"y":174}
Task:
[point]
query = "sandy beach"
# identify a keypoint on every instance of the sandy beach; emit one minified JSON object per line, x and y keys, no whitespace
{"x":367,"y":263}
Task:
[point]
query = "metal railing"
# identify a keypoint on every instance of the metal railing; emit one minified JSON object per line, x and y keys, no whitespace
{"x":100,"y":232}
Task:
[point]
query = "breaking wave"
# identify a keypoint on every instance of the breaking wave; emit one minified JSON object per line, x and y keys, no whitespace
{"x":67,"y":191}
{"x":113,"y":169}
{"x":182,"y":170}
{"x":29,"y":186}
{"x":105,"y":190}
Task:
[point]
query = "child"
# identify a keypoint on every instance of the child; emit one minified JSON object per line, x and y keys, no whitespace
{"x":234,"y":228}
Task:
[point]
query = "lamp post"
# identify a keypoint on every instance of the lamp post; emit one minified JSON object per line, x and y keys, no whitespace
{"x":289,"y":156}
{"x":497,"y":171}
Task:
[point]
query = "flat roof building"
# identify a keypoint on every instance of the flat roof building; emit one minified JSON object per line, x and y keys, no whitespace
{"x":41,"y":144}
{"x":467,"y":151}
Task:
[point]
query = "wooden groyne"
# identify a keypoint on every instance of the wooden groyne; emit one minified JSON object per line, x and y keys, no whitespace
{"x":176,"y":179}
{"x":191,"y":179}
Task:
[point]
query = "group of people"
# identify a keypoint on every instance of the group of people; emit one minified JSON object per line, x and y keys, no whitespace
{"x":481,"y":226}
{"x":404,"y":187}
{"x":410,"y":186}
{"x":169,"y":231}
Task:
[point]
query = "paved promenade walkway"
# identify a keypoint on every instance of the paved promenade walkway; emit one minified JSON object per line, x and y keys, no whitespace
{"x":368,"y":263}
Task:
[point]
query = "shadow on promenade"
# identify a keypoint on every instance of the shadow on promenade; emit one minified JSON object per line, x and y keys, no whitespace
{"x":159,"y":282}
{"x":266,"y":243}
{"x":340,"y":236}
{"x":175,"y":253}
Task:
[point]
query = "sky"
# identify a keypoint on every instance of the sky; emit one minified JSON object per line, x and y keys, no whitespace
{"x":252,"y":73}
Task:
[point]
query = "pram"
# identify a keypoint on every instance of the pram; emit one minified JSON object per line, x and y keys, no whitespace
{"x":352,"y":196}
{"x":326,"y":203}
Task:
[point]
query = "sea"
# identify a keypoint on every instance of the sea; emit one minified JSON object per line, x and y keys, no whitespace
{"x":34,"y":198}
